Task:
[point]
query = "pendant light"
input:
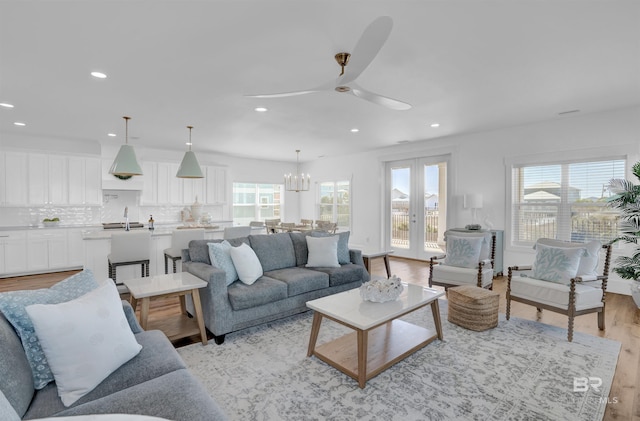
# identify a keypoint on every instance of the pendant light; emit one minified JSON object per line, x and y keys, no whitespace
{"x":298,"y":182}
{"x":189,"y":168}
{"x":125,"y":164}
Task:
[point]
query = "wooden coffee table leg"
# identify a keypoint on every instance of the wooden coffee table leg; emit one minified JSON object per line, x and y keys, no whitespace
{"x":362,"y":357}
{"x":315,"y":328}
{"x":197,"y":306}
{"x":144,"y":313}
{"x":386,"y":265}
{"x":435,"y":309}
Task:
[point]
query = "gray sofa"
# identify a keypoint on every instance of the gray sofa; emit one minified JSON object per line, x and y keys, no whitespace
{"x":154,"y":383}
{"x":284,"y":288}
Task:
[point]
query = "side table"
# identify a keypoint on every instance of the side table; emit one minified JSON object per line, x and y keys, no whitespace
{"x":369,"y":256}
{"x":171,"y":285}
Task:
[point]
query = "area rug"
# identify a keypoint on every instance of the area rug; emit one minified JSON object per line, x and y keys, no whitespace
{"x":520,"y":370}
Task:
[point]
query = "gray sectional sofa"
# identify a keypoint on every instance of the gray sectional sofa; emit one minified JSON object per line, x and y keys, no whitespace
{"x":284,"y":288}
{"x":154,"y":383}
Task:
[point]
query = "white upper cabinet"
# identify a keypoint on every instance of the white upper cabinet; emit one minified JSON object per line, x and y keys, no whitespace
{"x":84,"y":181}
{"x":169,"y":186}
{"x":149,"y":183}
{"x":13,"y":179}
{"x":216,"y":185}
{"x":47,"y":179}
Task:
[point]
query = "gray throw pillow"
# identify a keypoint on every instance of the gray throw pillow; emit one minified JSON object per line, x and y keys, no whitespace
{"x":343,"y":244}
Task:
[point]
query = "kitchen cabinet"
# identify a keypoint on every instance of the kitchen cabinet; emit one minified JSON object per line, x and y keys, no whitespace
{"x":216,"y":185}
{"x":149,"y":194}
{"x":47,"y":175}
{"x":13,"y":179}
{"x":84,"y":181}
{"x":75,"y":246}
{"x":161,"y":186}
{"x":47,"y":249}
{"x":13,"y":252}
{"x":193,"y":188}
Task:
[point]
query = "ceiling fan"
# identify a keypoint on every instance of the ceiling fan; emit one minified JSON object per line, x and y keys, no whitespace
{"x":370,"y":43}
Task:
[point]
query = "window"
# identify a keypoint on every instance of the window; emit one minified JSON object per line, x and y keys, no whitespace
{"x":335,"y":203}
{"x":566,"y":201}
{"x":256,"y":202}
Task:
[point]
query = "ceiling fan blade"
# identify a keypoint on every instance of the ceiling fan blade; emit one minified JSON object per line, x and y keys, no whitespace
{"x":368,"y":46}
{"x":391,"y":103}
{"x":325,"y":87}
{"x":282,"y":94}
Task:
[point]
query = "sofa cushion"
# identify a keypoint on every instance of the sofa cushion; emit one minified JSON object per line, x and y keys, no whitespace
{"x":156,"y":358}
{"x":176,"y":396}
{"x":13,"y":303}
{"x":299,"y":240}
{"x":275,"y":251}
{"x":84,"y":340}
{"x":344,"y":274}
{"x":15,"y":372}
{"x":343,"y":244}
{"x":300,"y":280}
{"x":264,"y":291}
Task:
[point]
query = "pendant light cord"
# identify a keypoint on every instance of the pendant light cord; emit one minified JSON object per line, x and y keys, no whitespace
{"x":126,"y":129}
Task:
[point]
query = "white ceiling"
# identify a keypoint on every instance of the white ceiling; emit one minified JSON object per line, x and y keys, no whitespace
{"x":468,"y":65}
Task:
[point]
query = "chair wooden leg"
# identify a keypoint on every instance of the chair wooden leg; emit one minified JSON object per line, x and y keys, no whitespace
{"x":601,"y":319}
{"x":508,"y":306}
{"x":570,"y":329}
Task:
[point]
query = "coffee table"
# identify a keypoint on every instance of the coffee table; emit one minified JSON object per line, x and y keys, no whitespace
{"x":171,"y":285}
{"x":380,"y":338}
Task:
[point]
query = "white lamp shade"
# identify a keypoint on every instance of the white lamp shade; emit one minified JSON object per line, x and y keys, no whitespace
{"x":125,"y":162}
{"x":189,"y":167}
{"x":473,"y":201}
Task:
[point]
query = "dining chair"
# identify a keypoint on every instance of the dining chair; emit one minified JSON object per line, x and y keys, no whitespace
{"x":307,"y":222}
{"x":271,"y":225}
{"x":563,"y":278}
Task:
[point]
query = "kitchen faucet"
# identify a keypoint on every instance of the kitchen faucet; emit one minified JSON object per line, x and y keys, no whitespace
{"x":126,"y":218}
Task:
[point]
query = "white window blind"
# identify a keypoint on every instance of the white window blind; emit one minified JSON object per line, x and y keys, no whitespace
{"x":565,"y":201}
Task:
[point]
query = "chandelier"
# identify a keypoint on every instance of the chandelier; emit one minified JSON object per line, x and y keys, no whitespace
{"x":299,"y":181}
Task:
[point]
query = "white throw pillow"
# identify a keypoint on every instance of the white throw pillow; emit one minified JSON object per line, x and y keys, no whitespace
{"x":556,"y":264}
{"x":588,"y":261}
{"x":247,"y":263}
{"x":84,"y":340}
{"x":464,"y":252}
{"x":323,"y":252}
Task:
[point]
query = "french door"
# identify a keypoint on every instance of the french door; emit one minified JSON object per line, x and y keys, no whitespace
{"x":416,"y":206}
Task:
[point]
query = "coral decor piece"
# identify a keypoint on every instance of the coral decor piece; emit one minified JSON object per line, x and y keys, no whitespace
{"x":381,"y":290}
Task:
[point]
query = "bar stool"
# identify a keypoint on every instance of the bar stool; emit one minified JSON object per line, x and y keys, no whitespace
{"x":129,"y":248}
{"x":180,"y":240}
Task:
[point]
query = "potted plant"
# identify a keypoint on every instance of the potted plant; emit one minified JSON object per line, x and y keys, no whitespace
{"x":627,"y":200}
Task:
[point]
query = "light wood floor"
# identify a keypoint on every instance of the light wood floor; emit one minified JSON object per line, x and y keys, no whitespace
{"x":622,"y":324}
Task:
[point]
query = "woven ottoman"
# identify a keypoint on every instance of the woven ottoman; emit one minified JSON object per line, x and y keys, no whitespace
{"x":472,"y":307}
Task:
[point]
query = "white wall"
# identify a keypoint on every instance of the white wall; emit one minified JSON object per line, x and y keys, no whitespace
{"x":477,"y":165}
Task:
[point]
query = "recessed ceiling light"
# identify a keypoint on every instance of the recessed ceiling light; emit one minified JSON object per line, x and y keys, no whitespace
{"x":260,"y":109}
{"x":19,"y":123}
{"x":354,"y":130}
{"x":99,"y":75}
{"x":111,"y":134}
{"x":6,"y":105}
{"x":434,"y":125}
